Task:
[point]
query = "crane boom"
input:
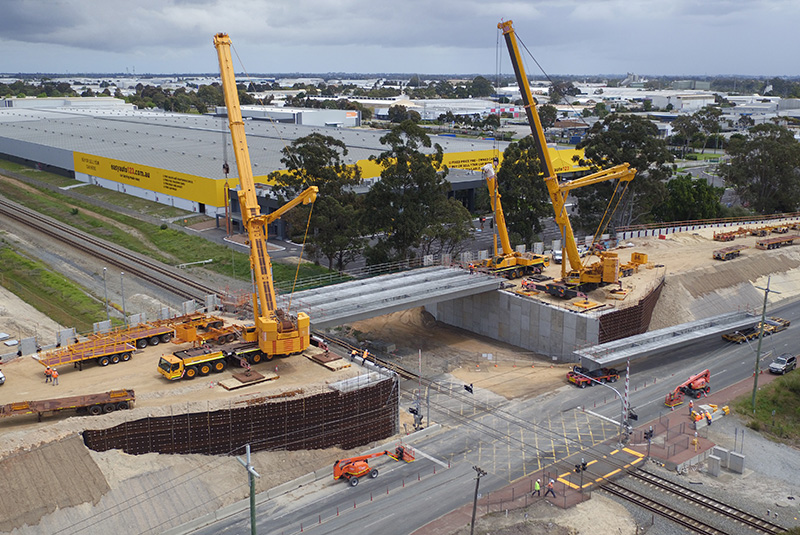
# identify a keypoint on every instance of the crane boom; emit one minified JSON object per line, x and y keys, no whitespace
{"x":558,"y":193}
{"x":277,"y":332}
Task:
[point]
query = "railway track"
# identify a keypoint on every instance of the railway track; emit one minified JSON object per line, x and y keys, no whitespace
{"x":692,"y":498}
{"x":150,"y":271}
{"x":723,"y":509}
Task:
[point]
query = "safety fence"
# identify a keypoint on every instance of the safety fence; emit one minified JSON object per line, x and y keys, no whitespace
{"x":335,"y":418}
{"x":673,"y":227}
{"x":567,"y":490}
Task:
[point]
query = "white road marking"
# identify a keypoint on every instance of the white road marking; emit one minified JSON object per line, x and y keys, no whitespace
{"x":437,"y":461}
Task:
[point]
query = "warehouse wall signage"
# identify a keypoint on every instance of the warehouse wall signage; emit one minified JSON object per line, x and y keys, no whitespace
{"x":475,"y":160}
{"x":194,"y":188}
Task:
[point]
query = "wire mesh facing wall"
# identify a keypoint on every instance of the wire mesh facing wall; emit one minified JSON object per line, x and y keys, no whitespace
{"x":337,"y":418}
{"x":631,"y":320}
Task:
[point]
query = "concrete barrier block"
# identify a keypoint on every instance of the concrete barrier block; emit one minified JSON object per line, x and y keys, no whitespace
{"x":736,"y":462}
{"x":713,"y":465}
{"x":723,"y":455}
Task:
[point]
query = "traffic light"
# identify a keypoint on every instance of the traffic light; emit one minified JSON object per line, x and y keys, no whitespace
{"x":468,"y":388}
{"x":577,"y":469}
{"x":413,"y":410}
{"x":633,"y":416}
{"x":583,"y":465}
{"x":648,"y":434}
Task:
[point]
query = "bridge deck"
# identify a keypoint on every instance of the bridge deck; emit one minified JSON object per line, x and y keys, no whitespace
{"x":367,"y":298}
{"x":612,"y":354}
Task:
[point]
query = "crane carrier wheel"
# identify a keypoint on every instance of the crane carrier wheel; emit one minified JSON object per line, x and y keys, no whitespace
{"x":353,"y":481}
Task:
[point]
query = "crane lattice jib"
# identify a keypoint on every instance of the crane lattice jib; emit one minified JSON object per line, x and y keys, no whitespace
{"x":551,"y":180}
{"x":248,"y":201}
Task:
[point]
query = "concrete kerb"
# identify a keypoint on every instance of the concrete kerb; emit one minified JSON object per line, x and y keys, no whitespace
{"x":244,"y":505}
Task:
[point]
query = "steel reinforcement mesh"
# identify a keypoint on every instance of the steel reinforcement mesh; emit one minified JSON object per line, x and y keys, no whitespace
{"x":344,"y":419}
{"x":631,"y":320}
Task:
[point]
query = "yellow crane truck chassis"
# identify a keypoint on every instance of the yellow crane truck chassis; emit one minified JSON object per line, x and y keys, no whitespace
{"x":190,"y":363}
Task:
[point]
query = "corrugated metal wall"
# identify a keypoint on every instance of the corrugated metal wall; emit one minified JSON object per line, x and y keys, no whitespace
{"x":631,"y":320}
{"x":345,"y":419}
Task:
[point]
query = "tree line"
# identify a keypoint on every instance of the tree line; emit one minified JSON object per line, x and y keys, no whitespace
{"x":408,"y":212}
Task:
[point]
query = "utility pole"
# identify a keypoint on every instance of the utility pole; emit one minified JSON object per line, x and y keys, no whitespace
{"x":252,"y":474}
{"x":480,"y":473}
{"x":122,"y":286}
{"x":760,"y":337}
{"x":105,"y":292}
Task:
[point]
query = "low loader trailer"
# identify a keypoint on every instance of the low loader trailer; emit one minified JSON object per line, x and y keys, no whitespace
{"x":88,"y":404}
{"x":102,"y":350}
{"x":582,"y":378}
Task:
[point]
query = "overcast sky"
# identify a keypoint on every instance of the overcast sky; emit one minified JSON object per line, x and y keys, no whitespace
{"x":669,"y":37}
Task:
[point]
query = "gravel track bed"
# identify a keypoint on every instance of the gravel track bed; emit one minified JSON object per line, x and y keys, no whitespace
{"x":772,"y":473}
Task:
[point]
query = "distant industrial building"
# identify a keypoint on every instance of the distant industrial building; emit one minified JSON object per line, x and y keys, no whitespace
{"x":177,"y":159}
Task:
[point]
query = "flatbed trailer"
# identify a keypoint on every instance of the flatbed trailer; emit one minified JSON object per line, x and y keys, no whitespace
{"x":140,"y":335}
{"x":775,"y":243}
{"x":725,"y":236}
{"x":729,"y":252}
{"x":104,"y":351}
{"x":93,"y":404}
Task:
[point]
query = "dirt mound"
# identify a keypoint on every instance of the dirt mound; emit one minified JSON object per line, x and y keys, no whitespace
{"x":69,"y":475}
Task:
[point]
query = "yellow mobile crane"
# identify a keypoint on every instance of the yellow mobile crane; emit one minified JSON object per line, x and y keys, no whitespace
{"x":510,"y":264}
{"x":277,"y":332}
{"x":579,"y":277}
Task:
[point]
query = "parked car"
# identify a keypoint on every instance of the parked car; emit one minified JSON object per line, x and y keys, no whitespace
{"x":2,"y":378}
{"x":784,"y":363}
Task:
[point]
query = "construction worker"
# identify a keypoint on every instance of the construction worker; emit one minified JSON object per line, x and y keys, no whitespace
{"x":353,"y":354}
{"x":708,"y":417}
{"x":471,"y":268}
{"x":366,"y":354}
{"x":48,"y":375}
{"x":54,"y":373}
{"x":550,"y":489}
{"x":691,"y":406}
{"x":537,"y":488}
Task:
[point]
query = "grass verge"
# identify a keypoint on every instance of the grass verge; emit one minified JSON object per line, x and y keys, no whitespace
{"x":50,"y":293}
{"x":777,"y":411}
{"x":158,"y":242}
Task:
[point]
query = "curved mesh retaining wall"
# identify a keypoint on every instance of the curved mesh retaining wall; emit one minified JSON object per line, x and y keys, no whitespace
{"x":631,"y":320}
{"x":345,"y":419}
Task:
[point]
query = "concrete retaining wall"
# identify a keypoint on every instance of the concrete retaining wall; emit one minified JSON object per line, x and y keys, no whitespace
{"x":520,"y":321}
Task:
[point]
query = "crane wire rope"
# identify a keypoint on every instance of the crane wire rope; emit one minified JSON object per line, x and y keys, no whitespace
{"x":292,"y":157}
{"x":603,"y":223}
{"x":297,"y":271}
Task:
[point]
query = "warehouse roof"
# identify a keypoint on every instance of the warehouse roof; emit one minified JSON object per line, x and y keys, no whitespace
{"x":185,"y":143}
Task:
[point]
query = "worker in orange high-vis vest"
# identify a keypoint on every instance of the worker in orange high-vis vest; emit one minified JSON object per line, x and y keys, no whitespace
{"x":54,"y":373}
{"x":691,"y":406}
{"x":48,"y":375}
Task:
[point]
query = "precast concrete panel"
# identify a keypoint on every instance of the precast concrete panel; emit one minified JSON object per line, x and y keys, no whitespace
{"x":36,"y":152}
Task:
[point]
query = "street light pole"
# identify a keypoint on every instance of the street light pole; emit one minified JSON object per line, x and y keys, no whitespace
{"x":481,"y":473}
{"x":760,"y":337}
{"x":105,"y":292}
{"x":624,"y":416}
